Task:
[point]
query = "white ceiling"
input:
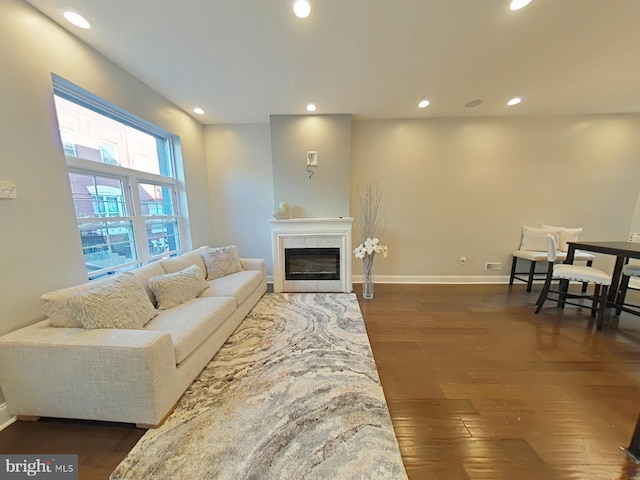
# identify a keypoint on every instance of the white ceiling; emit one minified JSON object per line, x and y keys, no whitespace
{"x":242,"y":60}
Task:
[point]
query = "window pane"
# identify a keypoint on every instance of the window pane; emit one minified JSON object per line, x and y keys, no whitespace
{"x":155,"y":199}
{"x":95,"y":196}
{"x":101,"y":139}
{"x":163,"y":236}
{"x":107,"y":244}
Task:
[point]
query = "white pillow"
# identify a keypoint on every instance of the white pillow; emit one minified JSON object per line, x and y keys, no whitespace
{"x":174,"y":289}
{"x":180,"y":262}
{"x":221,"y":261}
{"x":120,"y":303}
{"x":54,"y":303}
{"x":566,"y":235}
{"x":536,"y":238}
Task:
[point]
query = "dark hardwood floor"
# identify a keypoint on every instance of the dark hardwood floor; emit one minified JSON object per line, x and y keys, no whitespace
{"x":477,"y":385}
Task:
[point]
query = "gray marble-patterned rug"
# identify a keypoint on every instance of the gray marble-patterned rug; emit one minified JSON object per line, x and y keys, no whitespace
{"x":293,"y":394}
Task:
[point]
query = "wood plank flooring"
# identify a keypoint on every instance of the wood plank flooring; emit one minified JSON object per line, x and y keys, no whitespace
{"x":477,"y":385}
{"x":481,"y":388}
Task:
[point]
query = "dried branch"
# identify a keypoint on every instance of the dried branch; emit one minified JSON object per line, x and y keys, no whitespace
{"x":372,"y":213}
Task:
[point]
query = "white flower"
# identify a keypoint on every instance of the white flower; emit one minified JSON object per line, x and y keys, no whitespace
{"x":370,"y":246}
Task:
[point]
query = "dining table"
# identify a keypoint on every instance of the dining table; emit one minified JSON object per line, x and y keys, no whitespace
{"x":623,"y":251}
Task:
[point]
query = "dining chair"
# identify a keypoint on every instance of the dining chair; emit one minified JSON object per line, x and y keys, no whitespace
{"x":579,"y":273}
{"x":622,"y":305}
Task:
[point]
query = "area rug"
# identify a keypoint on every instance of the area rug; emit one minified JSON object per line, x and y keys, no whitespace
{"x":293,"y":394}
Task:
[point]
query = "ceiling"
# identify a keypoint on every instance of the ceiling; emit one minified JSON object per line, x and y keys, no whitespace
{"x":243,"y":60}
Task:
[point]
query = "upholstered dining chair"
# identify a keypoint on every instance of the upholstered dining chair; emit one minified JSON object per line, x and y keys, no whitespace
{"x":579,"y":273}
{"x":628,"y":271}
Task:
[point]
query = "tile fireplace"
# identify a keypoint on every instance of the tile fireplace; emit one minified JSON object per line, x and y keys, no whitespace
{"x":311,"y":254}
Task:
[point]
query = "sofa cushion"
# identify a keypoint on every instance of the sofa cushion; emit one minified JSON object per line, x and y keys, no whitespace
{"x":238,"y":285}
{"x":175,"y":264}
{"x":120,"y":303}
{"x":54,"y":304}
{"x":192,"y":322}
{"x":173,"y":289}
{"x":145,"y":273}
{"x":221,"y":261}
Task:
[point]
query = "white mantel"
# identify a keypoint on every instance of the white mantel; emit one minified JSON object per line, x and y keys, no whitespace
{"x":311,"y":233}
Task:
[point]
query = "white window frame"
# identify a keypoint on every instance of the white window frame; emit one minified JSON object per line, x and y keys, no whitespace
{"x":130,"y":178}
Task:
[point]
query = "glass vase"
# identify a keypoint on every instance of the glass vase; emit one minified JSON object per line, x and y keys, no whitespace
{"x":367,"y":277}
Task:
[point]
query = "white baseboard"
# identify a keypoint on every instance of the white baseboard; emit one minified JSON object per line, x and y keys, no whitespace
{"x":5,"y":418}
{"x":438,"y":279}
{"x":431,"y":279}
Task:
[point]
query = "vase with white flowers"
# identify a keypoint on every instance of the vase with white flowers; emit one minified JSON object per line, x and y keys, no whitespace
{"x":371,"y":229}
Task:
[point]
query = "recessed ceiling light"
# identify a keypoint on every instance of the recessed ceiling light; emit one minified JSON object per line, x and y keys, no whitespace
{"x":198,"y":110}
{"x":518,"y":4}
{"x":514,"y":101}
{"x":311,"y":107}
{"x":76,"y":19}
{"x":423,"y":103}
{"x":302,"y":8}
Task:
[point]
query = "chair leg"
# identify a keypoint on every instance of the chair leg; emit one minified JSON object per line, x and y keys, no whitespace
{"x":622,"y":293}
{"x":513,"y":270}
{"x":532,"y":270}
{"x":602,"y":307}
{"x":586,"y":284}
{"x":545,"y":289}
{"x":596,"y":298}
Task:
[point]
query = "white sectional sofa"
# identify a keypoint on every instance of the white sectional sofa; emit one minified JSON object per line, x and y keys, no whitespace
{"x":132,"y":375}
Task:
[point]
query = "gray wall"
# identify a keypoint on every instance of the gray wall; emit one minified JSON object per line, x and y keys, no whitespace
{"x":39,"y":242}
{"x":454,"y":187}
{"x":326,"y":193}
{"x":241,"y":187}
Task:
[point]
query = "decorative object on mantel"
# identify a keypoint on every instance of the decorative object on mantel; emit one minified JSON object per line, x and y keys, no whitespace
{"x":7,"y":189}
{"x":372,"y":219}
{"x":282,"y":212}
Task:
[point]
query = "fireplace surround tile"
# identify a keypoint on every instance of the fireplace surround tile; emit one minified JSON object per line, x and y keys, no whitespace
{"x":311,"y":233}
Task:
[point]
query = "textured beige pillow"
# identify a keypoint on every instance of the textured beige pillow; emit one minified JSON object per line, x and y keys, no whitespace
{"x":221,"y":261}
{"x":122,"y":302}
{"x":566,"y":235}
{"x":174,"y":289}
{"x":54,"y":303}
{"x":536,"y":238}
{"x":180,"y":262}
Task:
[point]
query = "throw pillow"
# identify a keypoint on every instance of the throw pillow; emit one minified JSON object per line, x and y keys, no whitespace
{"x":180,"y":262}
{"x":221,"y":261}
{"x":566,"y":235}
{"x":55,"y":305}
{"x":174,"y":289}
{"x":120,"y":303}
{"x":536,"y":238}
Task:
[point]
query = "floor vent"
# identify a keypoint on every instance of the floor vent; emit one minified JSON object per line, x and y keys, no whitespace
{"x":493,"y":266}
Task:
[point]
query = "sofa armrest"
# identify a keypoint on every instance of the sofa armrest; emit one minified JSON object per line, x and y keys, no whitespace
{"x":105,"y":374}
{"x":254,"y":264}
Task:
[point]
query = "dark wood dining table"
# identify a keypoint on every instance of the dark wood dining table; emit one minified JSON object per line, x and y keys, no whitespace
{"x":623,"y":251}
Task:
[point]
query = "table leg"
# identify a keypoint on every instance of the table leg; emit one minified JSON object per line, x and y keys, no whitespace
{"x":633,"y":450}
{"x":615,"y":279}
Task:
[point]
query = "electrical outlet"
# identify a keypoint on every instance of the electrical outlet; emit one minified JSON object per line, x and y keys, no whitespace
{"x":463,"y":260}
{"x":493,"y":266}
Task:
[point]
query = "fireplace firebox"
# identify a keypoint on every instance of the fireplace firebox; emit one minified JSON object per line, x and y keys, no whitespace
{"x":312,"y":263}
